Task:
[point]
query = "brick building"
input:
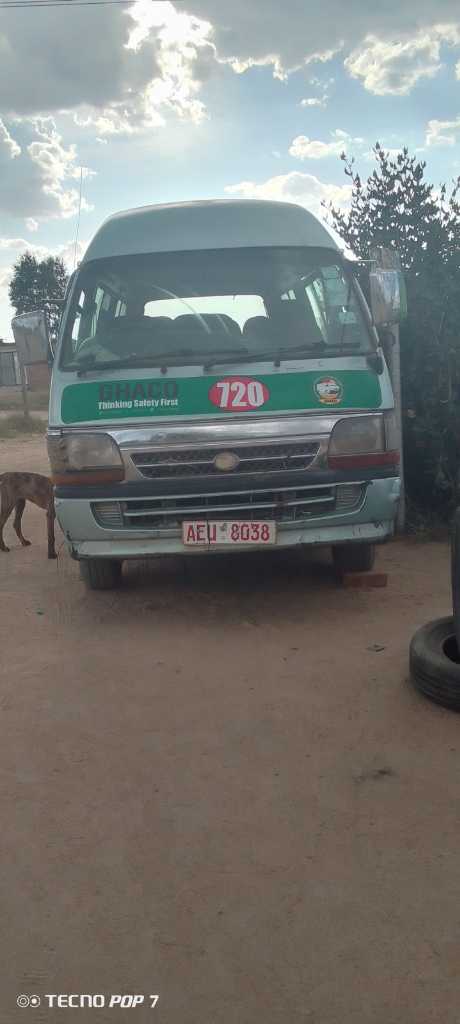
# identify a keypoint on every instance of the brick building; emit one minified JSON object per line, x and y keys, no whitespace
{"x":9,"y":365}
{"x":38,"y":375}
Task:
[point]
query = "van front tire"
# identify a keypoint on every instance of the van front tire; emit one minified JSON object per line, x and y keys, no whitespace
{"x":101,"y":573}
{"x":353,"y":557}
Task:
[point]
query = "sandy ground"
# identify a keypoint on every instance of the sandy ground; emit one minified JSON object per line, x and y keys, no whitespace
{"x":217,"y":785}
{"x":39,"y":414}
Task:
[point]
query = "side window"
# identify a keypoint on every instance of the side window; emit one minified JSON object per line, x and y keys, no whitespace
{"x":334,"y":305}
{"x":77,"y":320}
{"x":337,"y":287}
{"x":344,"y":319}
{"x":100,"y":302}
{"x":317,"y":299}
{"x":95,"y":310}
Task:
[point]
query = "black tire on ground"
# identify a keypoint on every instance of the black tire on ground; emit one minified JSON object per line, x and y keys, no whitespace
{"x":455,"y":569}
{"x":353,"y":557}
{"x":433,"y":668}
{"x":100,"y":573}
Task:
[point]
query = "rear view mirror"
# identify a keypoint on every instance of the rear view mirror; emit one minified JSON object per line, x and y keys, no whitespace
{"x":388,"y":296}
{"x":31,"y":335}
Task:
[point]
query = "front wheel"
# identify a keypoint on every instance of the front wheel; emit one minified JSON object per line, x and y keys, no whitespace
{"x":100,"y":573}
{"x":353,"y":557}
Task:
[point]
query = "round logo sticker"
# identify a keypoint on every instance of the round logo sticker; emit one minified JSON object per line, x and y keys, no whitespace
{"x":238,"y":394}
{"x":328,"y":390}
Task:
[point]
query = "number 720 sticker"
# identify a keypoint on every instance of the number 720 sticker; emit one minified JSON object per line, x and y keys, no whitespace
{"x":239,"y":394}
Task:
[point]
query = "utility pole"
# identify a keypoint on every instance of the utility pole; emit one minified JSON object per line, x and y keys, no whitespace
{"x":25,"y":397}
{"x":394,"y":358}
{"x":388,"y":259}
{"x":30,"y":332}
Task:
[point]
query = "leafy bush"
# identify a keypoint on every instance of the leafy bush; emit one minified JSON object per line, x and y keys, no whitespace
{"x":397,"y":208}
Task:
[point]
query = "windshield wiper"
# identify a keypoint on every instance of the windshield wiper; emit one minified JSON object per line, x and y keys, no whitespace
{"x":91,"y":364}
{"x":344,"y":348}
{"x":277,"y":355}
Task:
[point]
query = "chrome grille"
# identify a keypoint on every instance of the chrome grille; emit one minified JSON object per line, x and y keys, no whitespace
{"x":108,"y":514}
{"x":348,"y":497}
{"x":285,"y":506}
{"x":253,"y":458}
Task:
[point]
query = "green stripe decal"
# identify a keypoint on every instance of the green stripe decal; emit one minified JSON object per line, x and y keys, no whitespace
{"x":101,"y":400}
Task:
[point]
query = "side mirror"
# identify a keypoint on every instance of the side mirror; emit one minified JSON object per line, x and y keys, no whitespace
{"x":388,"y":297}
{"x":32,"y":338}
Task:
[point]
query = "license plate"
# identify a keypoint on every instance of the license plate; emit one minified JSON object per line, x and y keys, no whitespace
{"x":199,"y":533}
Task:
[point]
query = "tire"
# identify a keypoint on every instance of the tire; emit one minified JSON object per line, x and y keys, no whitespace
{"x":433,"y":668}
{"x":100,"y":573}
{"x":455,"y":574}
{"x":353,"y":557}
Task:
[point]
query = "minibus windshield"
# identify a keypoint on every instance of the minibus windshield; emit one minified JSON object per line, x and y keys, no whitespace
{"x":203,"y":306}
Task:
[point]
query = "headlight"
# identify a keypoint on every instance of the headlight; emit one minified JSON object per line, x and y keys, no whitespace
{"x":359,"y":441}
{"x":357,"y":434}
{"x":84,"y":458}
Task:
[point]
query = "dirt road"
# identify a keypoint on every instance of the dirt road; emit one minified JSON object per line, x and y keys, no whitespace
{"x":216,"y":785}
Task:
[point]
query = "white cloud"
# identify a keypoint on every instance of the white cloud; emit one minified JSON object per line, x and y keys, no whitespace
{"x":287,"y":39}
{"x":121,"y":69}
{"x":395,"y":67}
{"x":183,"y":57}
{"x":324,"y":88}
{"x":9,"y":146}
{"x":57,"y":165}
{"x":21,"y":244}
{"x":304,"y":148}
{"x":295,"y":187}
{"x":56,"y":59}
{"x":71,"y":254}
{"x":283,"y":39}
{"x":38,"y":175}
{"x":130,"y":68}
{"x":442,"y":133}
{"x":272,"y":59}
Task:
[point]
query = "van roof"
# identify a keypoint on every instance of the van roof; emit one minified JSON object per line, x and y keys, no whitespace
{"x":212,"y":224}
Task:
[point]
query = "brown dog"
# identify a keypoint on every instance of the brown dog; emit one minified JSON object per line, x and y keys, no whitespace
{"x":15,"y":490}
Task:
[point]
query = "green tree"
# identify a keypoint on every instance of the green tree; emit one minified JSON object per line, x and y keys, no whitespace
{"x":39,"y":284}
{"x":397,"y":207}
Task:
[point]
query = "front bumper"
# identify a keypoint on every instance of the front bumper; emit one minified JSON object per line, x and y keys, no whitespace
{"x":373,"y":522}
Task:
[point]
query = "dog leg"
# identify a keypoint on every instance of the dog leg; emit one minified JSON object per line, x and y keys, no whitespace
{"x":20,"y":506}
{"x":50,"y":517}
{"x":7,"y":508}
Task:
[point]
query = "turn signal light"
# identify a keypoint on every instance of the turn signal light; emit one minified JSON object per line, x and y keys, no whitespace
{"x":359,"y":442}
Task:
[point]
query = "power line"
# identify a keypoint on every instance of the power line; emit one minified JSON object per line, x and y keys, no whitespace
{"x":16,"y":4}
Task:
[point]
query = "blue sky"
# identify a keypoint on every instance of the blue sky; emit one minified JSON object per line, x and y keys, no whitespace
{"x":161,"y":102}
